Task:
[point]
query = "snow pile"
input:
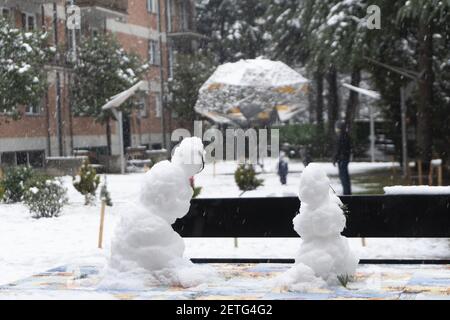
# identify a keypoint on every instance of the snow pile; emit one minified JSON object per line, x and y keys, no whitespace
{"x":416,"y":190}
{"x":144,"y":244}
{"x":324,"y":252}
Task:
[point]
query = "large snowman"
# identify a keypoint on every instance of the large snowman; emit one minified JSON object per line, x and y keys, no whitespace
{"x":324,"y":255}
{"x":144,"y":239}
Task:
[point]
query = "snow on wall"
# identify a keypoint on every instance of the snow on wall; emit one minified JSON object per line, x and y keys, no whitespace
{"x":416,"y":190}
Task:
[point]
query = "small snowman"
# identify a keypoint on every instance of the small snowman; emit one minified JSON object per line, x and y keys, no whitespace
{"x":324,"y":252}
{"x":144,"y":239}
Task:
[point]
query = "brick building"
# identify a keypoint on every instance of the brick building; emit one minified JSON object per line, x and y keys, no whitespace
{"x":154,"y":29}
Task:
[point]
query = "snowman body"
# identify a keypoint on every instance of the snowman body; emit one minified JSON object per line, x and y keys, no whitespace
{"x":320,"y":223}
{"x":144,"y":237}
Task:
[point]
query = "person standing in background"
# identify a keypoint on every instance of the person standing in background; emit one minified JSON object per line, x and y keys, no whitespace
{"x":283,"y":168}
{"x":343,"y":150}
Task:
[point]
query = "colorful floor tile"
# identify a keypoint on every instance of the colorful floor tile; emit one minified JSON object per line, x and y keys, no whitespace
{"x":243,"y":281}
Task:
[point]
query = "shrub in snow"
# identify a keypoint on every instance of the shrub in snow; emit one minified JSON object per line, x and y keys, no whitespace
{"x":245,"y":177}
{"x":105,"y":195}
{"x":2,"y":188}
{"x":45,"y":197}
{"x":13,"y":183}
{"x":86,"y":182}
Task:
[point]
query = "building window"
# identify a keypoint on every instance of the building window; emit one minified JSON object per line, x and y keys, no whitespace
{"x":171,"y":61}
{"x":94,"y":32}
{"x":34,"y":159}
{"x":5,"y":13}
{"x":152,"y":6}
{"x":153,"y":52}
{"x":22,"y":158}
{"x":8,"y":158}
{"x":158,"y":106}
{"x":142,"y":107}
{"x":169,"y":15}
{"x":33,"y":109}
{"x":28,"y":22}
{"x":184,"y":20}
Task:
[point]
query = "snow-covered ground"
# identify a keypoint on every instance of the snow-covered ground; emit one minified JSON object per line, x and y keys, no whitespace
{"x":29,"y":246}
{"x":222,"y":185}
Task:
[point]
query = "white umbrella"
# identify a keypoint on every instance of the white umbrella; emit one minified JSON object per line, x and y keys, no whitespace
{"x":252,"y":92}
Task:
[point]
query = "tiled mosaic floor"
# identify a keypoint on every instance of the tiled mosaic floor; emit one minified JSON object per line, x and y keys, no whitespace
{"x":244,"y":281}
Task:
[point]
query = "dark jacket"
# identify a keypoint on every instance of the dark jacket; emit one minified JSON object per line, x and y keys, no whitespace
{"x":283,"y":167}
{"x":343,"y":148}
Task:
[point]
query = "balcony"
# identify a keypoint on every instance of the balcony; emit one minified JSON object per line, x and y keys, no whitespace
{"x":113,"y":5}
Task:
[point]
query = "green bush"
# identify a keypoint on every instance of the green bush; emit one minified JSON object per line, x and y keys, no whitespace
{"x":2,"y":191}
{"x":310,"y":137}
{"x":245,"y":177}
{"x":307,"y":137}
{"x":86,"y":182}
{"x":298,"y":134}
{"x":13,"y":183}
{"x":45,"y":197}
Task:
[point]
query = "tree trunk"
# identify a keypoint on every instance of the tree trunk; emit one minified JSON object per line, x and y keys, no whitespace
{"x":108,"y":136}
{"x":312,"y":106}
{"x":425,"y":84}
{"x":333,"y":105}
{"x":319,"y":99}
{"x":353,"y":99}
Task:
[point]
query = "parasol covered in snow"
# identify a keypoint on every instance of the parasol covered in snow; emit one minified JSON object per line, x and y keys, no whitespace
{"x":253,"y":92}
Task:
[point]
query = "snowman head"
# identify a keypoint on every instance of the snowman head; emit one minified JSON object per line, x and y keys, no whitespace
{"x":190,"y":156}
{"x":314,"y":185}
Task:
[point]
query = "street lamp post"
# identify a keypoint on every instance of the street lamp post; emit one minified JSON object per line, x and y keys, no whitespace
{"x":372,"y":134}
{"x":404,"y":93}
{"x":374,"y":95}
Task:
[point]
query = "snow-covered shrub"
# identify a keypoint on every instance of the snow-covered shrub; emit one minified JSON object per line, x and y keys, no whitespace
{"x":13,"y":183}
{"x":45,"y":197}
{"x":2,"y":191}
{"x":245,"y":177}
{"x":105,"y":195}
{"x":86,"y":182}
